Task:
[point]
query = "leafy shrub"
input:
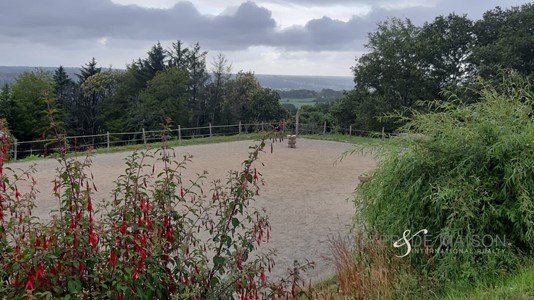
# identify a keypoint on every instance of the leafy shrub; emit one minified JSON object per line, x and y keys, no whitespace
{"x":464,"y":172}
{"x":159,"y":237}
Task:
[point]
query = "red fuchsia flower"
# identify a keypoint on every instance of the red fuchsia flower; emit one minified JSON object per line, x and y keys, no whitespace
{"x":135,"y":275}
{"x":123,"y":228}
{"x":182,"y":192}
{"x":46,"y":242}
{"x":263,"y":277}
{"x":55,"y":187}
{"x":93,"y":240}
{"x":112,"y":258}
{"x":29,"y":283}
{"x":166,"y":221}
{"x":148,"y":223}
{"x":168,"y":235}
{"x":40,"y":271}
{"x":89,"y":203}
{"x":82,"y":267}
{"x":72,"y":224}
{"x":255,"y":176}
{"x":17,"y":193}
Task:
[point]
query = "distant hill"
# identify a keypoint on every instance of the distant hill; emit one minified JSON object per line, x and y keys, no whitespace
{"x":314,"y":83}
{"x":10,"y":74}
{"x":277,"y":82}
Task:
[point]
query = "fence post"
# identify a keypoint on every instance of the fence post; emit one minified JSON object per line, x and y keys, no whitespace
{"x":350,"y":130}
{"x":107,"y":136}
{"x":179,"y":133}
{"x":297,"y":122}
{"x":144,"y":137}
{"x":15,"y":150}
{"x":383,"y":136}
{"x":324,"y":128}
{"x":239,"y":127}
{"x":262,"y":126}
{"x":210,"y":130}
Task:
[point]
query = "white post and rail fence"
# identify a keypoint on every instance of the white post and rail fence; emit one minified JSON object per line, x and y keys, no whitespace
{"x":22,"y":149}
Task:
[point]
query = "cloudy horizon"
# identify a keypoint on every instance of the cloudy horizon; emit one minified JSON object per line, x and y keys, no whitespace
{"x":286,"y":37}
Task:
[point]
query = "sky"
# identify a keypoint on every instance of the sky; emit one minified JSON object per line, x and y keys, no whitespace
{"x":285,"y":37}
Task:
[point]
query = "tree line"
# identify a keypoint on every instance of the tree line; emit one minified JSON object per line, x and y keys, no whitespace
{"x":173,"y":83}
{"x":449,"y":55}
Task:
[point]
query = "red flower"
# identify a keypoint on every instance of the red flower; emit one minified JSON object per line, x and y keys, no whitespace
{"x":112,"y":258}
{"x":29,"y":284}
{"x":55,"y":187}
{"x":40,"y":271}
{"x":169,"y":234}
{"x":93,"y":240}
{"x":255,"y":176}
{"x":123,"y":228}
{"x":135,"y":275}
{"x":72,"y":225}
{"x":262,"y":277}
{"x":82,"y":267}
{"x":17,"y":193}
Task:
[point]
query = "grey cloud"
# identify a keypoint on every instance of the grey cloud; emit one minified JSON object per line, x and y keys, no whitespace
{"x":54,"y":22}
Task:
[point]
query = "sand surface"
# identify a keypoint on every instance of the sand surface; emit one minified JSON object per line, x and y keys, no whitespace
{"x":307,"y":196}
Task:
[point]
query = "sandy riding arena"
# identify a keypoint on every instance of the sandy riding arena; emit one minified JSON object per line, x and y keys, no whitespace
{"x":306,"y":196}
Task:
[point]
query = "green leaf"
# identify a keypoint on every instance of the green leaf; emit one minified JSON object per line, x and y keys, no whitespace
{"x":235,"y":222}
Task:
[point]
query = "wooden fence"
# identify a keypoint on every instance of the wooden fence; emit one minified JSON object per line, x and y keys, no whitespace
{"x":21,"y":149}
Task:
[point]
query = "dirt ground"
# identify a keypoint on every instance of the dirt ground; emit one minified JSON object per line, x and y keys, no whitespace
{"x":307,"y":197}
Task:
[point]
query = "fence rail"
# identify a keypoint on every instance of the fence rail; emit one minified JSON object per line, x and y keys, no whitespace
{"x":44,"y":147}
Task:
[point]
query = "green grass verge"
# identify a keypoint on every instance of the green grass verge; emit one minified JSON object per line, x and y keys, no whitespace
{"x":338,"y":137}
{"x":298,"y":102}
{"x":516,"y":287}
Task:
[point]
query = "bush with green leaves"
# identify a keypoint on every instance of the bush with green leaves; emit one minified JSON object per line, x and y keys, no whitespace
{"x":465,"y":173}
{"x":159,"y":236}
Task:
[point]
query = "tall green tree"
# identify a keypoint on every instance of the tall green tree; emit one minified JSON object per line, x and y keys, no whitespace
{"x":265,"y":106}
{"x":88,"y":70}
{"x":95,"y":89}
{"x":30,"y":111}
{"x":154,"y":63}
{"x":198,"y":78}
{"x":240,"y":92}
{"x":6,"y":103}
{"x":165,"y":97}
{"x":391,"y":68}
{"x":505,"y":40}
{"x":447,"y":45}
{"x":67,"y":96}
{"x":119,"y":109}
{"x":217,"y":88}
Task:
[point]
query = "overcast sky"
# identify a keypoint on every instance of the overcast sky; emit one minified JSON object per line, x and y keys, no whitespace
{"x":290,"y":37}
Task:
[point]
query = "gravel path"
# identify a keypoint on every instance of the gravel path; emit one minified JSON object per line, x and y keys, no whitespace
{"x":306,"y":196}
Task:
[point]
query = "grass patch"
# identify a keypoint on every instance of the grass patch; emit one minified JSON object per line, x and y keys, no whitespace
{"x":298,"y":102}
{"x":338,"y":137}
{"x":517,"y":287}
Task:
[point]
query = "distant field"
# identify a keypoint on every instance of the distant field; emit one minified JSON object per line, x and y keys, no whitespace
{"x":298,"y":102}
